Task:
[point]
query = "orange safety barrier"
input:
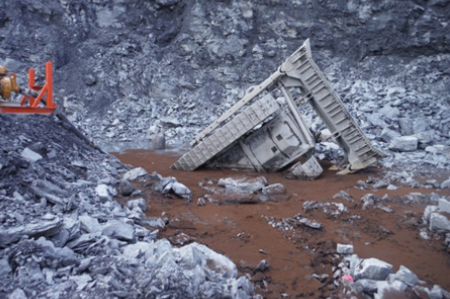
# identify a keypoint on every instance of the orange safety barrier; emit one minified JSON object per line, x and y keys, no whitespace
{"x":33,"y":103}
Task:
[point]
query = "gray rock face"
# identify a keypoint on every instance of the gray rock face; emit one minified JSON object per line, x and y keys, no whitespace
{"x":372,"y":268}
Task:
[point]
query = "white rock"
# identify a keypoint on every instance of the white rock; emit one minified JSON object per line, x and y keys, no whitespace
{"x":134,"y":173}
{"x":404,"y":275}
{"x":436,"y":149}
{"x":139,"y":202}
{"x":445,"y":184}
{"x":182,"y":190}
{"x":439,"y":222}
{"x":138,"y":249}
{"x":244,"y":185}
{"x":428,"y":211}
{"x":372,"y":268}
{"x":444,"y":205}
{"x":215,"y":264}
{"x":344,"y":249}
{"x":119,"y":230}
{"x":404,"y":144}
{"x":30,"y":155}
{"x":89,"y":224}
{"x":102,"y":191}
{"x":388,"y":134}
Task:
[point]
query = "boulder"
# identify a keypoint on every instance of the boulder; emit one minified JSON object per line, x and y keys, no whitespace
{"x":344,"y":249}
{"x":139,"y":202}
{"x":125,"y":188}
{"x":444,"y":205}
{"x":404,"y":275}
{"x":439,"y":222}
{"x":134,"y":173}
{"x":244,"y":185}
{"x":30,"y":155}
{"x":404,"y":144}
{"x":372,"y":268}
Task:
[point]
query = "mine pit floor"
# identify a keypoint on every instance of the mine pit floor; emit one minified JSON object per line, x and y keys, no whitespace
{"x":242,"y":231}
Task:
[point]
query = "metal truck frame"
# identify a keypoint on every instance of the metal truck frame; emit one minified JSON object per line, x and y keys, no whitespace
{"x":265,"y":134}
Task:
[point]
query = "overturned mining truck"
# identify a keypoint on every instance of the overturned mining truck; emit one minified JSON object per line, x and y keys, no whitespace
{"x":265,"y":133}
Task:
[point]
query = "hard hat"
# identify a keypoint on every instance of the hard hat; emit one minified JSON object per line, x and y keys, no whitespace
{"x":3,"y":70}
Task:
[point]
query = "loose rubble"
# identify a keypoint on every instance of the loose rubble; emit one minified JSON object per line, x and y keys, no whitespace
{"x":374,"y":278}
{"x":63,"y":235}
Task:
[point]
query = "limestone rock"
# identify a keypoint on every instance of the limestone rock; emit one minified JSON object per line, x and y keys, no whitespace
{"x":404,"y":143}
{"x":134,"y":173}
{"x":372,"y":268}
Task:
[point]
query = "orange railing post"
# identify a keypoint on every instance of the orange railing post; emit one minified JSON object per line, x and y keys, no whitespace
{"x":33,"y":103}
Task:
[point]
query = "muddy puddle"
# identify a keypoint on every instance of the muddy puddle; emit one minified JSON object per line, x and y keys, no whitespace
{"x":244,"y":233}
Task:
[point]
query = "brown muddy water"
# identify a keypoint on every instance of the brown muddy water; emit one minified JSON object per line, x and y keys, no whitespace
{"x":242,"y":231}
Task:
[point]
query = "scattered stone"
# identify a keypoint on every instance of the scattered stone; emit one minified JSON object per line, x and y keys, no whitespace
{"x":137,"y":203}
{"x":404,"y":275}
{"x":386,"y":209}
{"x":439,"y":222}
{"x":125,"y":188}
{"x":182,"y":191}
{"x":102,"y":191}
{"x":344,"y":195}
{"x":388,"y":134}
{"x":134,"y":174}
{"x":344,"y":249}
{"x":311,"y":223}
{"x":445,"y":184}
{"x":243,"y":185}
{"x":30,"y":155}
{"x":386,"y":290}
{"x":261,"y":267}
{"x":274,"y":189}
{"x":444,"y":205}
{"x":391,"y":187}
{"x":201,"y":201}
{"x":159,"y":140}
{"x":367,"y":286}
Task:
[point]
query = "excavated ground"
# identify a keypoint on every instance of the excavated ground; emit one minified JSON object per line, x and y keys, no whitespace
{"x":242,"y":231}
